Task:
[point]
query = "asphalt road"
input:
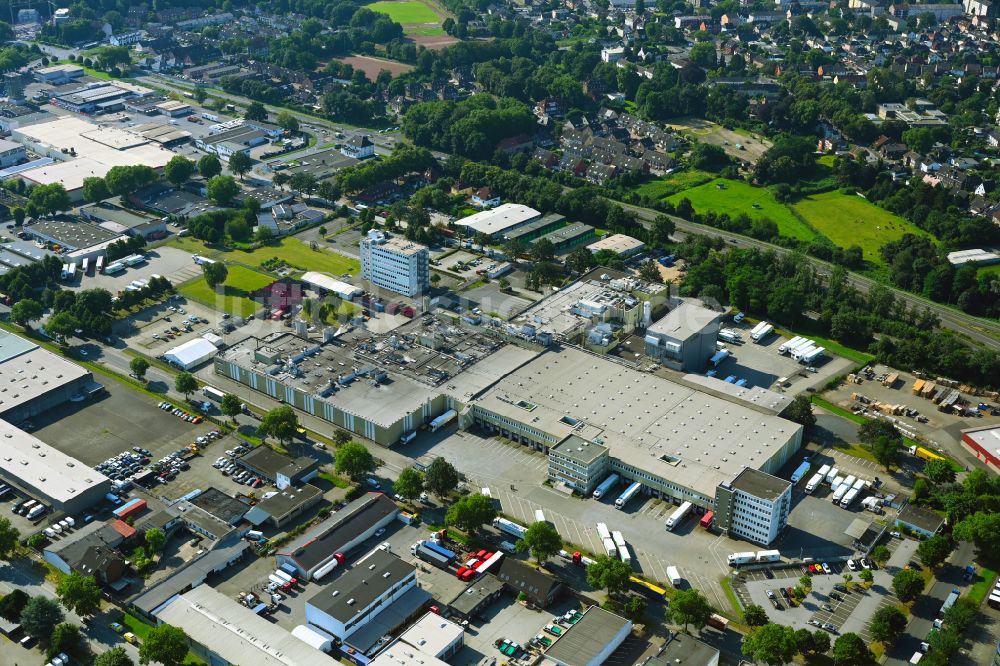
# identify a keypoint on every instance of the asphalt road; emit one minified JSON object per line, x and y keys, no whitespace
{"x":982,"y":332}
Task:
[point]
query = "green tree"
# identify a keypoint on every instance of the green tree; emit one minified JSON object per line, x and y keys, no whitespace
{"x":543,"y":250}
{"x":155,"y":539}
{"x":65,"y":638}
{"x":803,"y":641}
{"x":26,"y":310}
{"x":256,"y":111}
{"x":185,"y":383}
{"x":410,"y":483}
{"x":935,"y":550}
{"x":231,"y":405}
{"x":800,"y":411}
{"x":79,"y":594}
{"x":50,"y":198}
{"x":689,"y":607}
{"x":649,"y":272}
{"x":708,"y":157}
{"x":881,"y":554}
{"x":12,"y":604}
{"x":771,"y":644}
{"x":125,"y":180}
{"x":178,"y":170}
{"x":304,"y":182}
{"x":441,"y":478}
{"x":871,"y":430}
{"x":703,"y":55}
{"x":961,"y":616}
{"x":850,"y":650}
{"x":240,"y":163}
{"x":887,"y":624}
{"x":939,"y":472}
{"x":95,"y":189}
{"x":983,"y":529}
{"x":355,"y":460}
{"x":116,"y":656}
{"x":165,"y":644}
{"x":886,"y":452}
{"x":9,"y":536}
{"x":222,"y":189}
{"x":806,"y":582}
{"x":609,"y":573}
{"x":754,"y":615}
{"x":62,"y":324}
{"x":18,"y":214}
{"x":866,"y":575}
{"x":282,"y":424}
{"x":209,"y":166}
{"x":138,"y":367}
{"x":662,"y":229}
{"x":542,"y":540}
{"x":341,"y":437}
{"x":40,"y":616}
{"x":635,"y":608}
{"x":215,"y":273}
{"x":908,"y":584}
{"x":288,"y":121}
{"x":471,"y":512}
{"x":821,"y":642}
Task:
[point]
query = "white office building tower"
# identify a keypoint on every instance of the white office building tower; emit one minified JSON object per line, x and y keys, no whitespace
{"x":395,"y":263}
{"x":753,"y":506}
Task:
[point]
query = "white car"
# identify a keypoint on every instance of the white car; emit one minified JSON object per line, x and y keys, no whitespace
{"x":826,"y":568}
{"x":852,"y":565}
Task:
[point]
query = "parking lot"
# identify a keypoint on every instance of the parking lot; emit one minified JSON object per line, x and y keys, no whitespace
{"x":169,"y":262}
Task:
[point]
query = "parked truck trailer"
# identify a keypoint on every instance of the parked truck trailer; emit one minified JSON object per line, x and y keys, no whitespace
{"x":677,"y":517}
{"x":509,"y":527}
{"x":605,"y":486}
{"x":629,"y":493}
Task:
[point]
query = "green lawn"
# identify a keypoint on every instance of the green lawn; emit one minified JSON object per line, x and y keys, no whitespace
{"x":851,"y":220}
{"x":736,"y":197}
{"x":141,"y":630}
{"x":662,"y":188}
{"x":827,"y":160}
{"x":406,"y":11}
{"x":291,"y":250}
{"x":983,"y":270}
{"x":831,"y":346}
{"x":984,"y":584}
{"x":425,"y":32}
{"x":240,"y":282}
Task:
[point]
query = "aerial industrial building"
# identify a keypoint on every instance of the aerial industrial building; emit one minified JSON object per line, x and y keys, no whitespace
{"x":678,"y":441}
{"x":34,"y":380}
{"x":754,"y":506}
{"x":684,"y":339}
{"x":498,"y":221}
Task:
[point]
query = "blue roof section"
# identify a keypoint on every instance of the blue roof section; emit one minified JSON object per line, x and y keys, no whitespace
{"x":13,"y":345}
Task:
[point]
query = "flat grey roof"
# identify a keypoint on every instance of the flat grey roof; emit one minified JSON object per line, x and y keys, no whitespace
{"x":586,"y":639}
{"x":236,"y":633}
{"x":569,"y":232}
{"x":577,"y":448}
{"x":388,"y":620}
{"x":289,"y":499}
{"x":109,"y":212}
{"x":921,"y":517}
{"x":684,"y":321}
{"x":684,"y":649}
{"x":271,"y":463}
{"x":352,"y":593}
{"x":329,"y":537}
{"x":224,"y":507}
{"x":532,"y":227}
{"x":478,"y":591}
{"x":72,"y":234}
{"x":671,"y":430}
{"x":760,"y":484}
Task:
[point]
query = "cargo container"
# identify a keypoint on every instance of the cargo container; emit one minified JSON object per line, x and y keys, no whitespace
{"x":134,"y":259}
{"x":610,"y":549}
{"x":832,"y":474}
{"x":719,"y":357}
{"x":790,"y":344}
{"x":758,"y":327}
{"x":622,"y":547}
{"x":729,"y":335}
{"x":131,"y":507}
{"x":337,"y":560}
{"x":629,"y":493}
{"x":286,"y":577}
{"x":509,"y":527}
{"x":602,"y":531}
{"x":442,"y":420}
{"x":824,"y":470}
{"x":763,"y":333}
{"x":849,"y":498}
{"x":949,"y":602}
{"x":839,"y":493}
{"x":812,"y":355}
{"x":800,"y":472}
{"x":99,"y":267}
{"x":706,"y":520}
{"x":605,"y":486}
{"x":736,"y":559}
{"x":814,"y":483}
{"x":716,"y":621}
{"x":213,"y":393}
{"x":677,"y":517}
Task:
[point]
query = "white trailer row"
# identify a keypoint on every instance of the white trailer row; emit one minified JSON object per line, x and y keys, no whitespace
{"x":761,"y":331}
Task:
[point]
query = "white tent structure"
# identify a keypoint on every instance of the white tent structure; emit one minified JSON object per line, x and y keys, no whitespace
{"x":191,"y":354}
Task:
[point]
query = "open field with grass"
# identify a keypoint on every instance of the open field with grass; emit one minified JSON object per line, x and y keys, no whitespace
{"x":406,"y":11}
{"x":372,"y":66}
{"x":234,"y":298}
{"x":851,"y":220}
{"x":291,"y":250}
{"x":735,"y":197}
{"x":661,"y":188}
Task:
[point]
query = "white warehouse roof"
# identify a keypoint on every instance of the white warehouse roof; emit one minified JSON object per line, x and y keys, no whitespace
{"x":327,"y":283}
{"x":977,"y":256}
{"x":499,"y":219}
{"x":191,"y":353}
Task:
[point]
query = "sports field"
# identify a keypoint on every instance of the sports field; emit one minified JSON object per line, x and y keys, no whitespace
{"x":234,"y":298}
{"x":406,"y":11}
{"x":851,"y":220}
{"x":735,"y":197}
{"x":291,"y":250}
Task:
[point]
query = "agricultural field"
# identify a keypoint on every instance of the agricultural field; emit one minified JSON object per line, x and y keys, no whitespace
{"x":735,"y":197}
{"x":292,"y":251}
{"x":406,"y":11}
{"x":234,"y":298}
{"x":851,"y":220}
{"x":372,"y":66}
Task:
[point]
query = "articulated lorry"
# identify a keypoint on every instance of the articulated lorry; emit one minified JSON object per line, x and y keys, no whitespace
{"x":432,"y":553}
{"x":509,"y":527}
{"x":605,"y":486}
{"x":629,"y":493}
{"x":677,"y":517}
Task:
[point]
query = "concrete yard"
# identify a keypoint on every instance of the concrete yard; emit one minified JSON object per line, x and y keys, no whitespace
{"x":169,"y":262}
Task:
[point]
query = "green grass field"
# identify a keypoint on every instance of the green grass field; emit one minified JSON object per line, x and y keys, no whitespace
{"x":406,"y":11}
{"x":662,"y":188}
{"x":234,"y":299}
{"x":738,"y":197}
{"x":291,"y":250}
{"x":851,"y":220}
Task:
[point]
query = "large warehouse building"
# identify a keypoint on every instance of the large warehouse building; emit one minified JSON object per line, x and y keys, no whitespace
{"x":679,"y":441}
{"x":33,"y":379}
{"x":46,"y":473}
